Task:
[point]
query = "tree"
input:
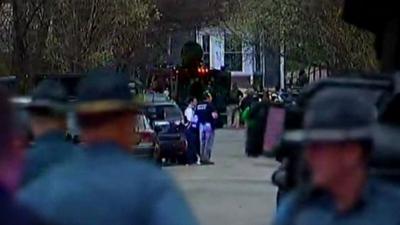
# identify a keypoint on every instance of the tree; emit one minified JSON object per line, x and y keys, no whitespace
{"x":310,"y":33}
{"x":26,"y":24}
{"x":5,"y":39}
{"x":45,"y":36}
{"x":86,"y":34}
{"x":189,"y":14}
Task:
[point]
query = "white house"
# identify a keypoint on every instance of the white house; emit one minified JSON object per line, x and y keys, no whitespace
{"x":221,"y":50}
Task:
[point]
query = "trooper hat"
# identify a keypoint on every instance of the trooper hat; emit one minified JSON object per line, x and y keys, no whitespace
{"x":49,"y":95}
{"x":336,"y":115}
{"x":104,"y":92}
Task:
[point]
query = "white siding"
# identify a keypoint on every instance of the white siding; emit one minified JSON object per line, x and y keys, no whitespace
{"x":248,"y":59}
{"x":217,"y":51}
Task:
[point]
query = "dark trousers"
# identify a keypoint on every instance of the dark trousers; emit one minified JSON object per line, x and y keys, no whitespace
{"x":192,"y":137}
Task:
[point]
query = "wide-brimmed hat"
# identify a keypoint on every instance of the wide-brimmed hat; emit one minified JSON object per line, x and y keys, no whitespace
{"x":99,"y":93}
{"x":336,"y":115}
{"x":49,"y":95}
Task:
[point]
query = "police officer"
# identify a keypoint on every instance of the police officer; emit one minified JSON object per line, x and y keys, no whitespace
{"x":338,"y":142}
{"x":107,"y":185}
{"x":47,"y":114}
{"x":192,"y":132}
{"x":207,"y":116}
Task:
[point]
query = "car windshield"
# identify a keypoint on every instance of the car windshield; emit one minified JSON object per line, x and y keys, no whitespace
{"x":164,"y":112}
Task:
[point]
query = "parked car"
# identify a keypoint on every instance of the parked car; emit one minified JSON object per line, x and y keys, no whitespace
{"x":147,"y":145}
{"x":168,"y":122}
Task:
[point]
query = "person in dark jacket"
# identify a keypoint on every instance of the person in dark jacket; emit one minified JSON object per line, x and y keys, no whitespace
{"x":247,"y":102}
{"x":107,"y":185}
{"x":256,"y":123}
{"x":47,"y":113}
{"x":207,"y":117}
{"x":232,"y":109}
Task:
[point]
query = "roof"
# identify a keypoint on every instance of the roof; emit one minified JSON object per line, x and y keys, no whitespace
{"x":160,"y":104}
{"x":156,"y":99}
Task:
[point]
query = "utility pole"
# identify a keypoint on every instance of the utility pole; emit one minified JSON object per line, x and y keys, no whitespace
{"x":262,"y":61}
{"x":282,"y":66}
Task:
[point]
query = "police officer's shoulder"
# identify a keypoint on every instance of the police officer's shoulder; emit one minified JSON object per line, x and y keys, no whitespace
{"x":386,"y":190}
{"x":291,"y":197}
{"x":140,"y":170}
{"x":298,"y":199}
{"x":149,"y":171}
{"x":82,"y":173}
{"x":289,"y":204}
{"x":304,"y":195}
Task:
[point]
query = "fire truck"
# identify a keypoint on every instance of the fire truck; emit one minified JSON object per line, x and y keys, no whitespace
{"x":183,"y":83}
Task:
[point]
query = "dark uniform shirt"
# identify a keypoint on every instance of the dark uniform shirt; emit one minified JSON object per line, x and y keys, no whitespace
{"x":204,"y":112}
{"x":48,"y":150}
{"x":108,"y":186}
{"x":379,"y":204}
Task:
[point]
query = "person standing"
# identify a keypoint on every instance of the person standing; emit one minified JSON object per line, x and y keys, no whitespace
{"x":47,"y":114}
{"x":338,"y":144}
{"x":107,"y":185}
{"x":207,"y":116}
{"x":190,"y":109}
{"x":248,"y":101}
{"x":166,"y":92}
{"x":233,"y":107}
{"x":192,"y":132}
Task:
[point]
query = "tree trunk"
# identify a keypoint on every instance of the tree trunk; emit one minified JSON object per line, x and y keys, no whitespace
{"x":19,"y":53}
{"x":20,"y":59}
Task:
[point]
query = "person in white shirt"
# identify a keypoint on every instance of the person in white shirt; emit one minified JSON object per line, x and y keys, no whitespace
{"x":190,"y":110}
{"x":192,"y":132}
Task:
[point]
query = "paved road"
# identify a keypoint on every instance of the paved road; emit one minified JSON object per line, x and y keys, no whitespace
{"x":235,"y":191}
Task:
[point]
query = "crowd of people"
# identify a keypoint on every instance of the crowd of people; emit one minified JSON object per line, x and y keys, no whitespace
{"x":240,"y":104}
{"x":98,"y":182}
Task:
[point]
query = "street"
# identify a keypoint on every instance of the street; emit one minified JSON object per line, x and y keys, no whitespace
{"x":236,"y":190}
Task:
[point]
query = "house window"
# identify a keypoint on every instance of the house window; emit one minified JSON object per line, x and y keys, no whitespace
{"x":206,"y":49}
{"x":233,"y":53}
